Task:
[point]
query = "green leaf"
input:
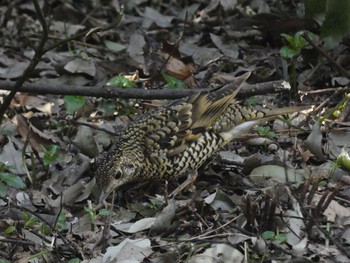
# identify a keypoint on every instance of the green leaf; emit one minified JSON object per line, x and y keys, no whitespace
{"x":343,"y":159}
{"x":268,"y":235}
{"x":104,"y":212}
{"x":73,"y":103}
{"x":9,"y":230}
{"x":108,"y":106}
{"x":4,"y":261}
{"x":281,"y":238}
{"x":287,"y":52}
{"x":12,"y":180}
{"x":299,"y":41}
{"x":252,"y":101}
{"x":91,"y":213}
{"x":266,"y":131}
{"x":39,"y":255}
{"x":173,"y":82}
{"x":3,"y":189}
{"x":289,"y":38}
{"x":296,"y":43}
{"x":3,"y":167}
{"x":121,"y":81}
{"x":50,"y":154}
{"x":30,"y":222}
{"x":45,"y":229}
{"x":61,"y":222}
{"x":25,"y":215}
{"x":74,"y":260}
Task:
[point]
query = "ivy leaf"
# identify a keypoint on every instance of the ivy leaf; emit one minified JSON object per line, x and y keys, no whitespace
{"x":73,"y":103}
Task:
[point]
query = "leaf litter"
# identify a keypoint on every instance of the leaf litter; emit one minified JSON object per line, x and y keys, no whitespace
{"x":296,"y":189}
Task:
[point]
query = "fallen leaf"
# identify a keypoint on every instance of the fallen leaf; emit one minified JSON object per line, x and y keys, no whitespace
{"x":218,"y":253}
{"x":128,"y":251}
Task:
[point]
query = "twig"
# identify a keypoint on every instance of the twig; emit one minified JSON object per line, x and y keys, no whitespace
{"x":147,"y":94}
{"x":343,"y":249}
{"x":17,"y":241}
{"x":83,"y":33}
{"x":341,"y":70}
{"x":71,"y":246}
{"x":39,"y":51}
{"x":322,"y":91}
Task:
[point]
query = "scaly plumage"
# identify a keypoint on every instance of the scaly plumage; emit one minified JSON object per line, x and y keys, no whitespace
{"x":176,"y":139}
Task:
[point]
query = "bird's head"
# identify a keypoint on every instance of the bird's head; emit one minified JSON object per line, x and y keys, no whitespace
{"x":117,"y":168}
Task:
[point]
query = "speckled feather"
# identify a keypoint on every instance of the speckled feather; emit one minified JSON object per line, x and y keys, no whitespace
{"x":170,"y":141}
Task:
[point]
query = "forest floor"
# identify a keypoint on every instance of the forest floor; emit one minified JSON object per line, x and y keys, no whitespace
{"x":278,"y":194}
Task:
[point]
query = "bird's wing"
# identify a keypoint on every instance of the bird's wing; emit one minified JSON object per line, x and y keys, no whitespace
{"x":169,"y":130}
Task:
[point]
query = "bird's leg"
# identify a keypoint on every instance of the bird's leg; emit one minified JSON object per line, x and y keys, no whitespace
{"x":189,"y":181}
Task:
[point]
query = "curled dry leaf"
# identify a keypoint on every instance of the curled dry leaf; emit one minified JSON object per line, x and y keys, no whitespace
{"x":164,"y":219}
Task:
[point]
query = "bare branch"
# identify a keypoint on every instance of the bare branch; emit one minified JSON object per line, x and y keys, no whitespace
{"x":108,"y":92}
{"x":39,"y":51}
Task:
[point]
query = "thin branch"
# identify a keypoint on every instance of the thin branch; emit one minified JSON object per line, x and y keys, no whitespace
{"x":39,"y":51}
{"x":86,"y":32}
{"x":333,"y":63}
{"x":147,"y":94}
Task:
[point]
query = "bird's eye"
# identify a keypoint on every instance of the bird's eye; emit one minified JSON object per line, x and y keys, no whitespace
{"x":129,"y":168}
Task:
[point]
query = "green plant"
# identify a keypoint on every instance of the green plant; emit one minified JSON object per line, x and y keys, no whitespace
{"x":8,"y":179}
{"x":272,"y":236}
{"x":266,"y":131}
{"x":61,"y":222}
{"x":9,"y":231}
{"x":29,"y":220}
{"x":39,"y":255}
{"x":50,"y":154}
{"x":252,"y":101}
{"x":153,"y":203}
{"x":336,"y":111}
{"x":121,"y":81}
{"x":291,"y":51}
{"x":91,"y":213}
{"x":343,"y":159}
{"x":104,"y":212}
{"x":73,"y":103}
{"x":172,"y":82}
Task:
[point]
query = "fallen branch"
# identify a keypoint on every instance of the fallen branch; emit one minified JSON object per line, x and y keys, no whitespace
{"x":148,"y":94}
{"x":40,"y":50}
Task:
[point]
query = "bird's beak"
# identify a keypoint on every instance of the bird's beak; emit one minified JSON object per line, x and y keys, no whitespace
{"x":103,"y":196}
{"x":106,"y":192}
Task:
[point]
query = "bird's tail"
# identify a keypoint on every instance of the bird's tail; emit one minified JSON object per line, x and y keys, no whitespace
{"x":248,"y":119}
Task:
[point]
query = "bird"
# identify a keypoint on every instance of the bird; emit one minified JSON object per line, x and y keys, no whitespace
{"x":176,"y":139}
